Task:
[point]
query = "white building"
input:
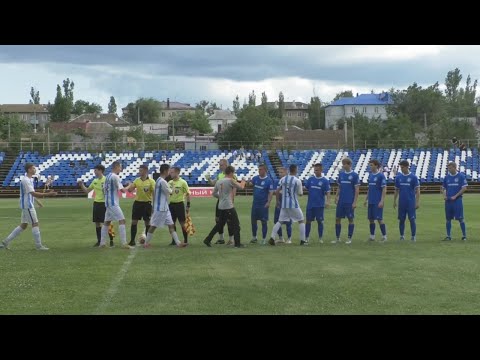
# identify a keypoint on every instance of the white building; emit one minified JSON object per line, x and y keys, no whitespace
{"x":370,"y":105}
{"x":221,"y":119}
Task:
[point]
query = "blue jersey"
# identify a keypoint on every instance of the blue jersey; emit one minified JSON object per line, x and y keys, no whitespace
{"x":261,"y":189}
{"x":407,"y":184}
{"x":317,"y":189}
{"x":376,"y":183}
{"x":454,"y":183}
{"x":347,"y":183}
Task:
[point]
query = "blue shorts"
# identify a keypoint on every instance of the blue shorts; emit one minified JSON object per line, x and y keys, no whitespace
{"x":403,"y":212}
{"x":315,"y":213}
{"x":374,"y":212}
{"x":345,"y":211}
{"x":259,"y":213}
{"x":454,"y":209}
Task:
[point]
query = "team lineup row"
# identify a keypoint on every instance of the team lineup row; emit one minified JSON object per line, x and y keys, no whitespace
{"x":161,"y":203}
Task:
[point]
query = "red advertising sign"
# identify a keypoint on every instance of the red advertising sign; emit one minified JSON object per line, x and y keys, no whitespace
{"x":201,"y":191}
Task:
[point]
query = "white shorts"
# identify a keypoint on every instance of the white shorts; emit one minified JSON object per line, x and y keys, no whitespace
{"x":114,"y":213}
{"x":29,"y":216}
{"x":161,"y":218}
{"x":295,"y":215}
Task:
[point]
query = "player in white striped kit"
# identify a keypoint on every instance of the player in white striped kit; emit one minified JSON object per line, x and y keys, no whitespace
{"x":161,"y":212}
{"x":29,"y":215}
{"x":114,"y":213}
{"x":291,"y":187}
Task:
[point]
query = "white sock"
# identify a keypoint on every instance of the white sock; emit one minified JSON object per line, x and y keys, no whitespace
{"x":307,"y":239}
{"x":149,"y":238}
{"x":123,"y":233}
{"x":36,"y":236}
{"x":175,"y":238}
{"x":302,"y":231}
{"x":275,"y":229}
{"x":103,"y":237}
{"x":221,"y":236}
{"x":230,"y":238}
{"x":255,"y":238}
{"x":13,"y":234}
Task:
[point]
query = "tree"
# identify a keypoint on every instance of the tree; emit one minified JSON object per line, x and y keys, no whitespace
{"x":252,"y":98}
{"x":316,"y":114}
{"x":252,"y":127}
{"x":200,"y":123}
{"x":281,"y":105}
{"x":236,"y":106}
{"x":346,"y":93}
{"x":16,"y":125}
{"x":68,"y":91}
{"x":115,"y":136}
{"x":112,"y":106}
{"x":60,"y":110}
{"x":150,"y":110}
{"x":84,"y":107}
{"x":35,"y":96}
{"x":202,"y":105}
{"x":264,"y":101}
{"x":211,"y":108}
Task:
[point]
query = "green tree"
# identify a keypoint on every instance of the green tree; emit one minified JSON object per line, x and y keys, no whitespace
{"x":211,"y":108}
{"x":346,"y":93}
{"x":16,"y":125}
{"x":236,"y":106}
{"x":112,"y":106}
{"x":316,"y":113}
{"x":35,"y":96}
{"x":281,"y":105}
{"x":150,"y":110}
{"x":397,"y":129}
{"x":115,"y":136}
{"x":252,"y":98}
{"x":264,"y":101}
{"x":252,"y":127}
{"x":60,"y":109}
{"x":200,"y":123}
{"x":84,"y":107}
{"x":202,"y":105}
{"x":68,"y":87}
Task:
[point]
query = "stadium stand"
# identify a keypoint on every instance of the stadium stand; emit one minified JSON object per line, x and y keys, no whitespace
{"x":429,"y":164}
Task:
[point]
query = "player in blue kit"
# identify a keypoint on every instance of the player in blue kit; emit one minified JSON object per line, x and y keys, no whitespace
{"x":407,"y":189}
{"x":318,"y":188}
{"x":278,"y":205}
{"x":262,"y":196}
{"x":346,"y":199}
{"x":454,"y":185}
{"x":377,"y":190}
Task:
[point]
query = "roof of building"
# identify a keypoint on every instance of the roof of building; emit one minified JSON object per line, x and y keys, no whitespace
{"x":173,"y":105}
{"x":365,"y":99}
{"x":23,"y":108}
{"x":289,"y":105}
{"x":111,"y":119}
{"x":222,"y":115}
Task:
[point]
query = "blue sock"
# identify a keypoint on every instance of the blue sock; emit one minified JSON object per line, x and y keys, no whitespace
{"x":372,"y":229}
{"x":449,"y":228}
{"x":289,"y":229}
{"x":383,"y":229}
{"x":464,"y":229}
{"x":254,"y":229}
{"x":413,"y":227}
{"x":350,"y":230}
{"x":264,"y":229}
{"x":308,"y":227}
{"x":401,"y":225}
{"x":338,"y":230}
{"x":320,"y":229}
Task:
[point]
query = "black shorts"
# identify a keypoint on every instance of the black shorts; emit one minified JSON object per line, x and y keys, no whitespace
{"x":141,"y":210}
{"x":99,"y":212}
{"x":178,"y":211}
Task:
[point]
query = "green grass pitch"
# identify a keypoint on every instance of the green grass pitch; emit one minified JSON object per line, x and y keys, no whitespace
{"x":429,"y":277}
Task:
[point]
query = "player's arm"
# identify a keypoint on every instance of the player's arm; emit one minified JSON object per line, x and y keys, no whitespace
{"x":444,"y":188}
{"x":270,"y":196}
{"x":300,"y":188}
{"x":40,"y":204}
{"x":417,"y":197}
{"x":337,"y":194}
{"x":357,"y":192}
{"x":238,"y":185}
{"x":120,"y":185}
{"x":187,"y":196}
{"x":327,"y":204}
{"x":462,"y":190}
{"x":131,"y":187}
{"x":215,"y":191}
{"x":36,"y":194}
{"x":366,"y":198}
{"x":384,"y":194}
{"x":211,"y":181}
{"x":84,"y":188}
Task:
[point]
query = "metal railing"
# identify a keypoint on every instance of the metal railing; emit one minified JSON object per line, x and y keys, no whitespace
{"x":97,"y":147}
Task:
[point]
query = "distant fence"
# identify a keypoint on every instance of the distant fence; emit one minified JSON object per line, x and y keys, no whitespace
{"x":96,"y":147}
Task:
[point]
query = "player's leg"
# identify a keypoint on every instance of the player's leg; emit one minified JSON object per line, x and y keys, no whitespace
{"x":288,"y":225}
{"x":448,"y":220}
{"x":351,"y":223}
{"x":275,"y":220}
{"x":402,"y":215}
{"x":339,"y":215}
{"x":171,"y":228}
{"x":308,"y":224}
{"x":154,"y":223}
{"x":253,"y":220}
{"x":122,"y":231}
{"x":234,"y":222}
{"x":282,"y":217}
{"x":320,"y":216}
{"x":221,"y":239}
{"x":173,"y":212}
{"x":98,"y":217}
{"x":264,"y":220}
{"x":216,"y":229}
{"x":412,"y":216}
{"x":371,"y":219}
{"x":182,"y":217}
{"x":459,"y":217}
{"x":297,"y":216}
{"x":17,"y":231}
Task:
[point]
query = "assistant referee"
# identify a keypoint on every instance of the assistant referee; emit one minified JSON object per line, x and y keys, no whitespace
{"x":180,"y":193}
{"x":142,"y":206}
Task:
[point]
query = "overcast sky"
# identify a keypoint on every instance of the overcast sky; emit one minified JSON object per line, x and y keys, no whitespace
{"x":218,"y":73}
